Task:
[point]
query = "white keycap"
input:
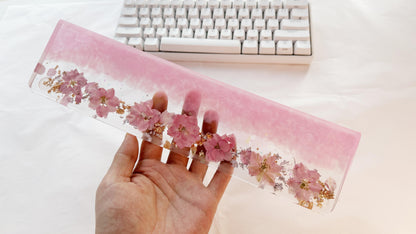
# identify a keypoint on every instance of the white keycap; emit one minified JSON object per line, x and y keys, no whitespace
{"x":129,"y":11}
{"x":218,"y":13}
{"x":121,"y":39}
{"x":180,"y":13}
{"x":136,"y":42}
{"x":213,"y":4}
{"x":220,"y":24}
{"x":200,"y":45}
{"x":299,"y":14}
{"x":226,"y":4}
{"x":293,"y":35}
{"x":195,"y":23}
{"x":144,"y":12}
{"x":256,"y":14}
{"x":170,"y":23}
{"x":200,"y":33}
{"x":128,"y":32}
{"x":238,"y":4}
{"x":276,"y":4}
{"x":239,"y":35}
{"x":266,"y":35}
{"x":231,"y":13}
{"x":151,"y":44}
{"x":128,"y":22}
{"x":168,"y":13}
{"x":161,"y":32}
{"x":145,"y":22}
{"x":263,"y":4}
{"x":250,"y":47}
{"x":156,"y":12}
{"x":188,"y":4}
{"x":193,"y":13}
{"x":284,"y":47}
{"x":205,"y":13}
{"x":174,"y":32}
{"x":164,"y":3}
{"x":251,"y":4}
{"x":267,"y":47}
{"x":207,"y":24}
{"x":233,"y":24}
{"x":289,"y":24}
{"x":157,"y":23}
{"x":246,"y":24}
{"x":282,"y":14}
{"x":149,"y":32}
{"x":226,"y":34}
{"x":243,"y":13}
{"x":130,"y":3}
{"x":153,"y":3}
{"x":253,"y":34}
{"x":213,"y":34}
{"x":302,"y":48}
{"x":273,"y":24}
{"x":187,"y":33}
{"x":201,"y":4}
{"x":296,"y":4}
{"x":182,"y":23}
{"x":259,"y":24}
{"x":269,"y":14}
{"x":141,"y":3}
{"x":176,"y":3}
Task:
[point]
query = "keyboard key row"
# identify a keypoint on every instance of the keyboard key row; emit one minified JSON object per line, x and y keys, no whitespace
{"x":191,"y":45}
{"x":263,"y":4}
{"x":219,"y":24}
{"x":226,"y":34}
{"x":216,"y":13}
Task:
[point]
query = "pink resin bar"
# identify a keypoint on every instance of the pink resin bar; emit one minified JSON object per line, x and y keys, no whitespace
{"x":272,"y":146}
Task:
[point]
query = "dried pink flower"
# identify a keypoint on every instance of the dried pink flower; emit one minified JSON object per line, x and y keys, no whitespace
{"x":304,"y":183}
{"x":103,"y":101}
{"x":265,"y":168}
{"x":184,"y":130}
{"x":91,"y":87}
{"x":72,"y":85}
{"x":51,"y":72}
{"x":220,"y":148}
{"x":142,"y":116}
{"x":166,"y":118}
{"x":245,"y":156}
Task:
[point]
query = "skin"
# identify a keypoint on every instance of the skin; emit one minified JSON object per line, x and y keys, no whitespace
{"x":140,"y":194}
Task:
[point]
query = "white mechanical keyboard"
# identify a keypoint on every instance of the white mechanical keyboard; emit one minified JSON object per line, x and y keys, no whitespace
{"x":245,"y":31}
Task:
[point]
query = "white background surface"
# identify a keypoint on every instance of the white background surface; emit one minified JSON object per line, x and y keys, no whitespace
{"x":362,"y":77}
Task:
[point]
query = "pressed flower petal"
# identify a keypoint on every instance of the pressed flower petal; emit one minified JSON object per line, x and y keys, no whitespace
{"x":184,"y":130}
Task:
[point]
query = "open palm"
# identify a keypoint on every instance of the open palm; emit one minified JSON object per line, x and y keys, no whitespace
{"x":154,"y":197}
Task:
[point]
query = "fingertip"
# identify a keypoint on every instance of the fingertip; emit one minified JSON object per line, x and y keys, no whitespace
{"x":160,"y":101}
{"x":192,"y":103}
{"x":129,"y":144}
{"x":210,"y":123}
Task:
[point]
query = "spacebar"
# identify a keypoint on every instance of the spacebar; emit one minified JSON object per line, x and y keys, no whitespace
{"x":173,"y":44}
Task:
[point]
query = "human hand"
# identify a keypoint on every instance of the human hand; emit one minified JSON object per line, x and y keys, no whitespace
{"x":154,"y":197}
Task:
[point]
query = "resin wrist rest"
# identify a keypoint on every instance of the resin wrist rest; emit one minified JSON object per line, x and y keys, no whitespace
{"x":272,"y":146}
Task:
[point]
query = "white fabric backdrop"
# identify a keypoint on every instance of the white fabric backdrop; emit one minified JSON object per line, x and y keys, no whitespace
{"x":362,"y":77}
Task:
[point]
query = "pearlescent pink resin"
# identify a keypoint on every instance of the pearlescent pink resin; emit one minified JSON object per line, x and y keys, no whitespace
{"x":308,"y":138}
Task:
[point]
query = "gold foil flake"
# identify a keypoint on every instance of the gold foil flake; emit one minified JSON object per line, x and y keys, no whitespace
{"x":306,"y":204}
{"x":167,"y":145}
{"x":120,"y":111}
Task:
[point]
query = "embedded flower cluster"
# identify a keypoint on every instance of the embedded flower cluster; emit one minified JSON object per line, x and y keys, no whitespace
{"x":268,"y":169}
